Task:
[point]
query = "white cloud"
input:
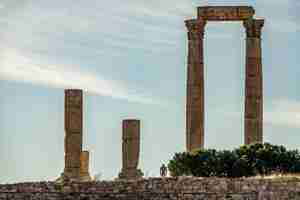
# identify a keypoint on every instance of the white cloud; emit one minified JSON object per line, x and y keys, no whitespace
{"x":50,"y":29}
{"x":44,"y":27}
{"x":17,"y":67}
{"x":283,"y":112}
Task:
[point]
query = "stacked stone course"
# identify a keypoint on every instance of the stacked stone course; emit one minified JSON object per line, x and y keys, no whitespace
{"x":183,"y":188}
{"x":84,"y":166}
{"x":76,"y":160}
{"x":130,"y":149}
{"x":73,"y":133}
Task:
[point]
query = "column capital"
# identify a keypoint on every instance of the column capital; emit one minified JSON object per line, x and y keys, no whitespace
{"x":254,"y":27}
{"x":196,"y":28}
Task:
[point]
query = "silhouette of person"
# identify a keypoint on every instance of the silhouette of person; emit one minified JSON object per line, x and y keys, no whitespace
{"x":163,"y":170}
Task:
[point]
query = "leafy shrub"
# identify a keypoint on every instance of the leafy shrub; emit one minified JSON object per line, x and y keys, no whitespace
{"x":226,"y":160}
{"x":247,"y":160}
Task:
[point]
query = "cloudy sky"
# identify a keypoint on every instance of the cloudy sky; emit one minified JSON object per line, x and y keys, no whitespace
{"x":129,"y":56}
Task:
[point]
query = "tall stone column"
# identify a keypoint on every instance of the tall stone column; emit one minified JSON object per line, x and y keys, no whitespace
{"x":73,"y":133}
{"x":254,"y":82}
{"x":130,"y":149}
{"x":195,"y":85}
{"x":84,"y":166}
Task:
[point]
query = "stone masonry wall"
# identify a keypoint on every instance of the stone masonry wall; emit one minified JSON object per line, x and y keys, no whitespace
{"x":158,"y":189}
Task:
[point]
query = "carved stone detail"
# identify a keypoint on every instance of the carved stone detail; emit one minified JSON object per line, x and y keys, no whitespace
{"x":195,"y":28}
{"x":254,"y":27}
{"x":195,"y":85}
{"x":195,"y":72}
{"x":254,"y":83}
{"x":225,"y":13}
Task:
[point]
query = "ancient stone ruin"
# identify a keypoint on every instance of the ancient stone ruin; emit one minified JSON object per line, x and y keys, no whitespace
{"x":84,"y":166}
{"x":253,"y":116}
{"x":76,"y":160}
{"x":130,"y":149}
{"x":166,"y":188}
{"x":73,"y":133}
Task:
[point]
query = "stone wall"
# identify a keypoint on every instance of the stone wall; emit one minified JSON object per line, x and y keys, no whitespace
{"x":158,"y":189}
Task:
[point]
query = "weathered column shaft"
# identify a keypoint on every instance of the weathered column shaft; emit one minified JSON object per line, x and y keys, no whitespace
{"x":130,"y":149}
{"x":195,"y":85}
{"x":254,"y":82}
{"x":84,"y":166}
{"x":73,"y":133}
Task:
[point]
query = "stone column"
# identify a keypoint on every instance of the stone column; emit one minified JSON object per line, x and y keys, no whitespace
{"x":130,"y":149}
{"x":84,"y":166}
{"x":73,"y":133}
{"x":254,"y":82}
{"x":195,"y":85}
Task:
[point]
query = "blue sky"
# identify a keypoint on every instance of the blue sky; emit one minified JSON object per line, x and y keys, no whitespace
{"x":130,"y":59}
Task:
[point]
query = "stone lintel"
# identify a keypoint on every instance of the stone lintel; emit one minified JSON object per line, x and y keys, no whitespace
{"x":225,"y":13}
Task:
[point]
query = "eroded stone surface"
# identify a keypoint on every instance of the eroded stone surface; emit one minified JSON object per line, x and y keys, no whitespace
{"x":73,"y":133}
{"x":253,"y":117}
{"x":182,"y":188}
{"x":254,"y":83}
{"x":130,"y":149}
{"x":195,"y":86}
{"x":224,"y":13}
{"x":84,"y":166}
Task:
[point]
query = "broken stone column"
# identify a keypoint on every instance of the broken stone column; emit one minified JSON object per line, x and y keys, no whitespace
{"x":130,"y":149}
{"x":84,"y":166}
{"x":73,"y":133}
{"x":195,"y":85}
{"x":254,"y":82}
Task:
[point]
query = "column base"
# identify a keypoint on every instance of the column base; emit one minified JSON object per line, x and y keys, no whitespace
{"x":67,"y":177}
{"x":131,"y":173}
{"x":85,"y":177}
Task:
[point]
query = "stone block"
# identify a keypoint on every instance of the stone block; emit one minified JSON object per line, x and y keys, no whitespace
{"x":225,"y":13}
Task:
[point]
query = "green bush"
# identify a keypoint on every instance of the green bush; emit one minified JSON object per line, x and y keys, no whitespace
{"x":247,"y":160}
